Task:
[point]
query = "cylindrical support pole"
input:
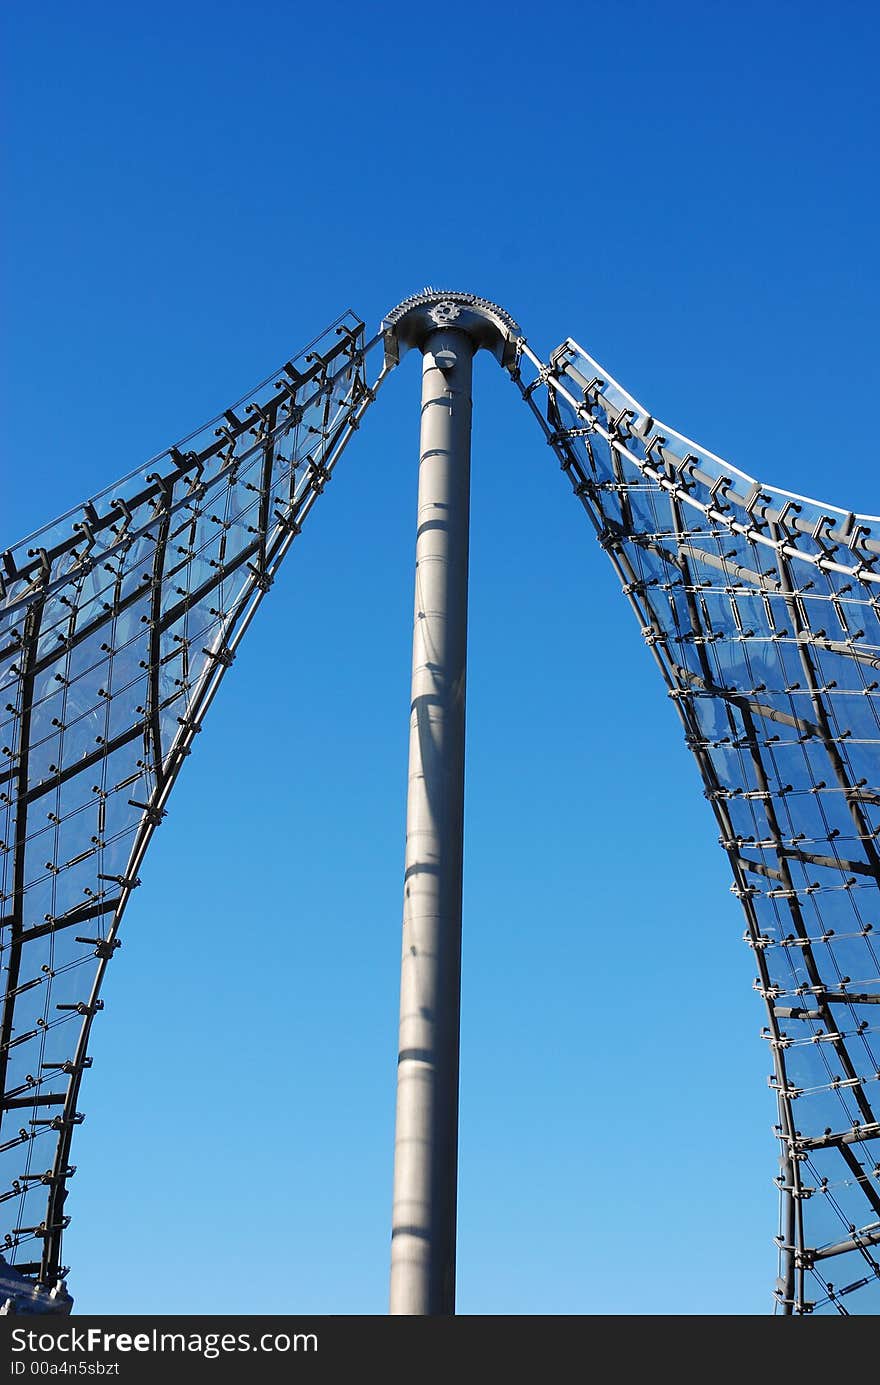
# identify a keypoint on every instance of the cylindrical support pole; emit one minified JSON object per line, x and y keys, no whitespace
{"x":426,"y":1137}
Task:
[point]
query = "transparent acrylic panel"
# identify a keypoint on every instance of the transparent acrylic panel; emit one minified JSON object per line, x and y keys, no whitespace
{"x":762,"y":608}
{"x":116,"y":624}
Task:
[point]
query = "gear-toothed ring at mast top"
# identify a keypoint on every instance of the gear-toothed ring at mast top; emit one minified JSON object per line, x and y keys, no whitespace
{"x":415,"y":318}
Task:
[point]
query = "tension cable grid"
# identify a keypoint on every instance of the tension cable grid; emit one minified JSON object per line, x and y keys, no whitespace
{"x":116,"y":627}
{"x":760,"y":608}
{"x":761,"y":611}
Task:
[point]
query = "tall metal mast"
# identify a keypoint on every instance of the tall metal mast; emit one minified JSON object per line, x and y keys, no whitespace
{"x":449,"y":329}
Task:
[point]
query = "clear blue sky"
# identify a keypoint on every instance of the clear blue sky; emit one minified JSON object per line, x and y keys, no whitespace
{"x":191,"y":192}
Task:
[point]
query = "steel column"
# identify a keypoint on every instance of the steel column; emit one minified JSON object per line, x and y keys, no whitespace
{"x":426,"y":1137}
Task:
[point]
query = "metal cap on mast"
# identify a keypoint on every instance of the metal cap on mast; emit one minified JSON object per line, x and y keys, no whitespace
{"x":414,"y":320}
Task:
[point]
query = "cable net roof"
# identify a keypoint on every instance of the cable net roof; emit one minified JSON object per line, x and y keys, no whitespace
{"x":761,"y":611}
{"x":760,"y":608}
{"x":116,"y":625}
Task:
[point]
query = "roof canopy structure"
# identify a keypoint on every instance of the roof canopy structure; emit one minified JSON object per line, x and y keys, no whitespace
{"x":759,"y":609}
